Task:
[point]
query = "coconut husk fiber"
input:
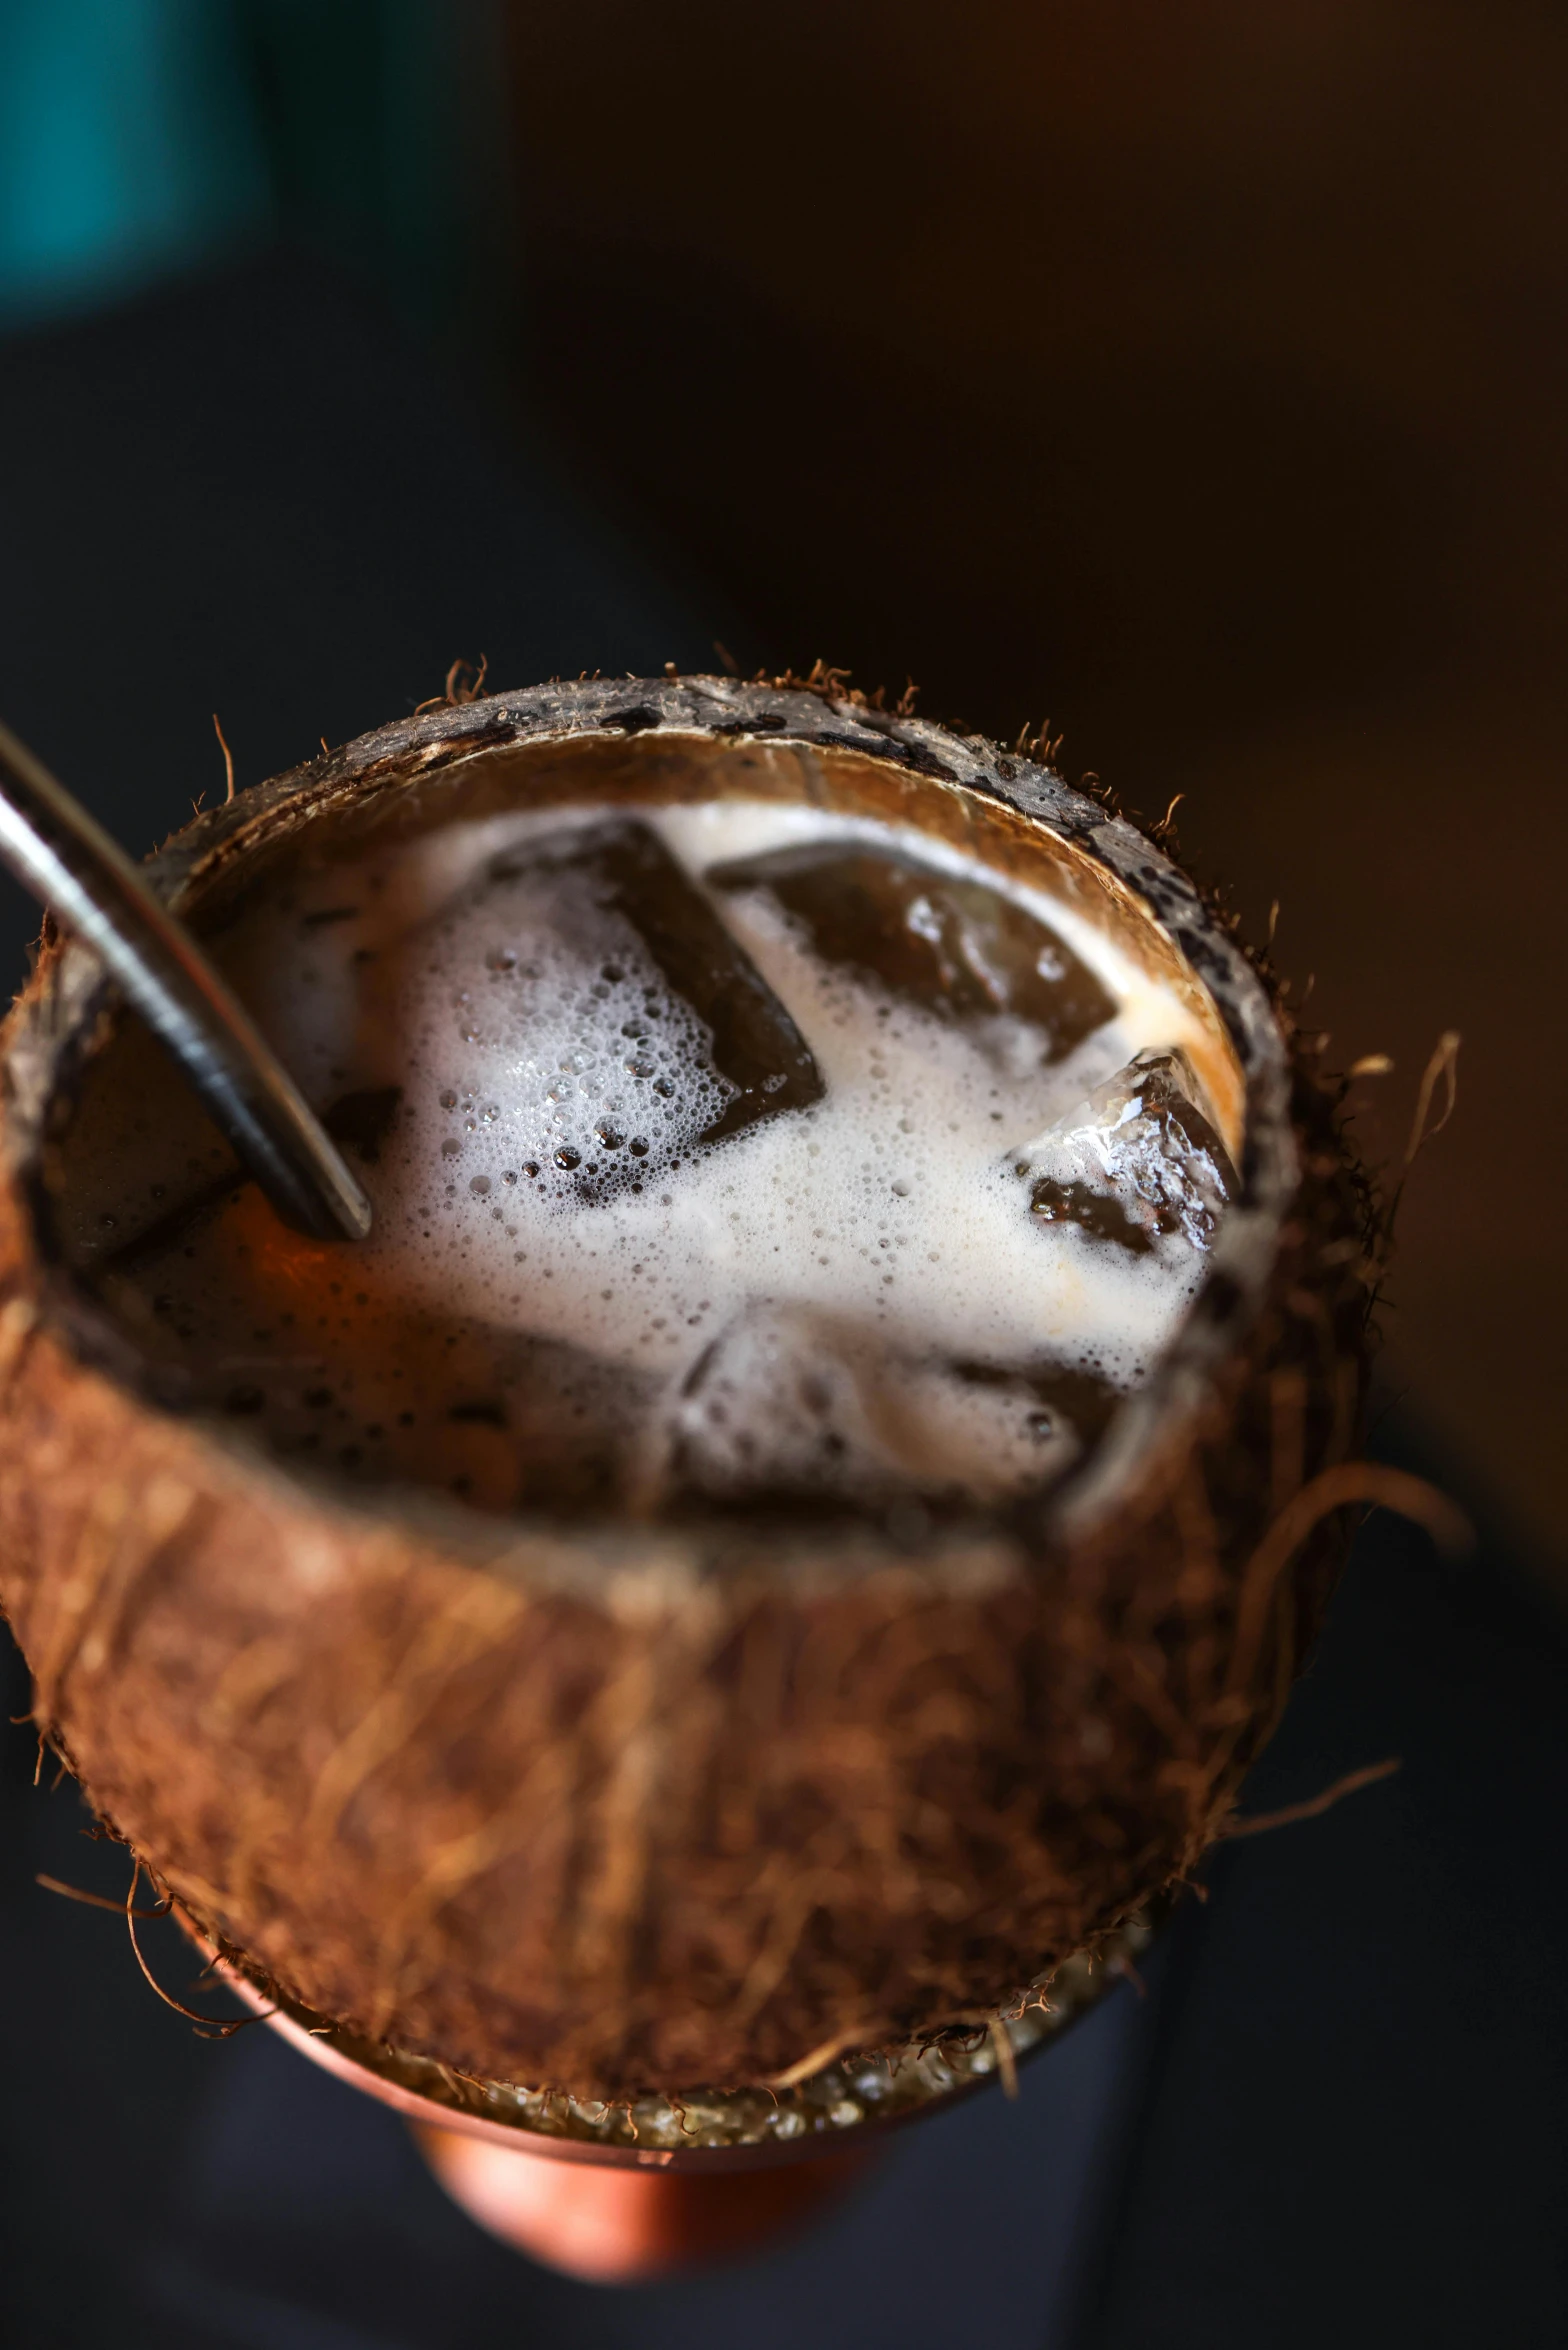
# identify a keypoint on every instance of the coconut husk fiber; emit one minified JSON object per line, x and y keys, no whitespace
{"x":636,"y":1808}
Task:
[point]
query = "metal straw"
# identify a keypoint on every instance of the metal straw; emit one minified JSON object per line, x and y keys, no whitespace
{"x":56,"y":850}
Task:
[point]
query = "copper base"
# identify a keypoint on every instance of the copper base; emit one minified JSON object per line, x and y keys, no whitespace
{"x":611,"y":2225}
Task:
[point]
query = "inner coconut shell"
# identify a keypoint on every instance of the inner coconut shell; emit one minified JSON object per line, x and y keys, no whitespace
{"x":634,"y":1809}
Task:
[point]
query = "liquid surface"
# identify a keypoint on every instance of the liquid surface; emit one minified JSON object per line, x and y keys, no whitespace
{"x":721,"y":1156}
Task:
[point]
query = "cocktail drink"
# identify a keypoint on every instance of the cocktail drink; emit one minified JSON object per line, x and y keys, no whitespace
{"x":716,"y":1621}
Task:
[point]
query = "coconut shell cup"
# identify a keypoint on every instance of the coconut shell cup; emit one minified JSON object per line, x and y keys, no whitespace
{"x":651,"y":1816}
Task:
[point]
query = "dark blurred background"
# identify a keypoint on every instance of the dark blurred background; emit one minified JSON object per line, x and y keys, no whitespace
{"x":1194,"y":375}
{"x":1187,"y":375}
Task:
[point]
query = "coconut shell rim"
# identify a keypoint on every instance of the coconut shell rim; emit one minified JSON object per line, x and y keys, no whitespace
{"x":58,"y":1016}
{"x":453,"y":2102}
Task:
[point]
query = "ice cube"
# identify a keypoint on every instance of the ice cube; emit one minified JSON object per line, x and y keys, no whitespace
{"x":788,"y":1407}
{"x":1136,"y":1163}
{"x":772,"y":1411}
{"x":1059,"y":1402}
{"x":957,"y":948}
{"x":756,"y":1047}
{"x":603,"y":1021}
{"x":990,"y":1432}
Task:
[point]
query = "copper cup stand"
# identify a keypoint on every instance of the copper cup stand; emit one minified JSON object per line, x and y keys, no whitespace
{"x":619,"y":2195}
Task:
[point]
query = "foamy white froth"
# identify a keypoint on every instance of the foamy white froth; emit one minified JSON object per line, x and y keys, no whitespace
{"x":541,"y":1052}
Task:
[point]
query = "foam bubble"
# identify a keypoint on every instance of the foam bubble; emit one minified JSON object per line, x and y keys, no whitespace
{"x":547,"y":1172}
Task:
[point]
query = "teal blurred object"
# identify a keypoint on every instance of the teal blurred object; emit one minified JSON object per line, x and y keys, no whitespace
{"x":139,"y":138}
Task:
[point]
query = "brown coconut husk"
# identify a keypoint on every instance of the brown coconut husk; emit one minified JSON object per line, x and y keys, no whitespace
{"x":630,"y":1809}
